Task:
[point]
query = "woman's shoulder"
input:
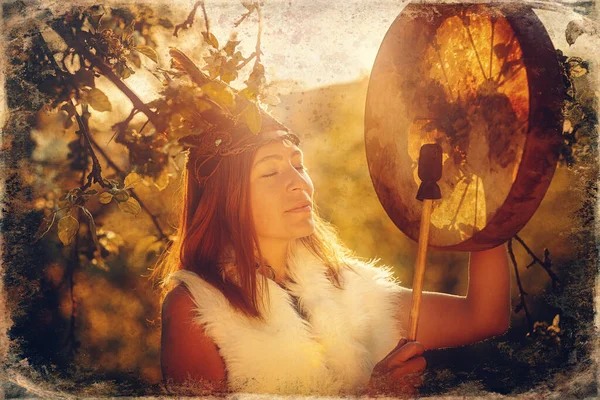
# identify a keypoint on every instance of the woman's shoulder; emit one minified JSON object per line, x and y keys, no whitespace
{"x":186,"y":349}
{"x":177,"y":301}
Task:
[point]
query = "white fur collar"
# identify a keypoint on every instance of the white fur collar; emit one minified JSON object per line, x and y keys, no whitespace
{"x":348,"y":331}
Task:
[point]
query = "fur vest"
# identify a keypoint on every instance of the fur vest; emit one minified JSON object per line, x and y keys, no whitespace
{"x":331,"y":352}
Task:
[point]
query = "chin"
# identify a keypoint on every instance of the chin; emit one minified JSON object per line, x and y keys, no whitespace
{"x":305,"y":228}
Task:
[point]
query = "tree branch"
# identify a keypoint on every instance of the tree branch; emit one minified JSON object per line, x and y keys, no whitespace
{"x":108,"y":72}
{"x":189,"y":20}
{"x":118,"y":170}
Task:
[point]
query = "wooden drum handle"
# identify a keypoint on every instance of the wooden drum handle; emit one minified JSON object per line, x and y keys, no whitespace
{"x":419,"y":274}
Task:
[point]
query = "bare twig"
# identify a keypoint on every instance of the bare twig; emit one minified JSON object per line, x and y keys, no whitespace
{"x":96,"y":174}
{"x":546,"y":263}
{"x":189,"y":20}
{"x":245,"y":62}
{"x":258,"y":35}
{"x":522,"y":304}
{"x":206,"y":23}
{"x":242,"y":18}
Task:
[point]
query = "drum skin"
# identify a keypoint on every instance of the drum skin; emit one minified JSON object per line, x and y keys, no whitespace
{"x":484,"y":83}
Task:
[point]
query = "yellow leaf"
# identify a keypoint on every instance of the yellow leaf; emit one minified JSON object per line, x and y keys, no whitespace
{"x":148,"y":52}
{"x":98,"y":100}
{"x":228,"y":76}
{"x":105,"y":197}
{"x":67,"y":228}
{"x":270,"y":99}
{"x":556,"y":320}
{"x":121,"y":196}
{"x":247,"y":93}
{"x":253,"y":118}
{"x":130,"y":206}
{"x":578,"y":71}
{"x":220,"y":93}
{"x":230,"y":47}
{"x":132,"y":179}
{"x":211,"y":39}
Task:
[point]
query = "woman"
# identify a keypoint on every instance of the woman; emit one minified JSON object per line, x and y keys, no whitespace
{"x":263,"y":296}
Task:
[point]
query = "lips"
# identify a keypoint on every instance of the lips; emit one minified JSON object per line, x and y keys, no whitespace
{"x":302,"y":206}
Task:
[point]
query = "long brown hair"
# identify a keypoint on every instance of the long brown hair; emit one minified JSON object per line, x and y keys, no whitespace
{"x":217,"y":217}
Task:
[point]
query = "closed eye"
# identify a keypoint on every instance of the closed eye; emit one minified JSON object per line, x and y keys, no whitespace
{"x":300,"y":168}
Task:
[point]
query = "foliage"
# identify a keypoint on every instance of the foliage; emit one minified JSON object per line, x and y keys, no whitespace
{"x":60,"y":62}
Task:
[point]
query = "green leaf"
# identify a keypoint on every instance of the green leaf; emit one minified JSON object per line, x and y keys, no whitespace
{"x":219,"y":93}
{"x":253,"y":118}
{"x":132,"y":179}
{"x":130,"y":206}
{"x":67,"y":228}
{"x":210,"y":39}
{"x":148,"y":52}
{"x":105,"y":197}
{"x":98,"y":100}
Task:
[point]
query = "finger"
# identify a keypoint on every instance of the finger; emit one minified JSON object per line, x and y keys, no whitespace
{"x":413,"y":366}
{"x":382,"y":367}
{"x":400,"y":343}
{"x":404,"y":353}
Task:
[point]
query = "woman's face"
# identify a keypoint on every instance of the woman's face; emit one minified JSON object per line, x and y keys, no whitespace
{"x":278,"y":184}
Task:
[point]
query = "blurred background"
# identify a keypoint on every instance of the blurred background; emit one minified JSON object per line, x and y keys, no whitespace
{"x":92,"y":324}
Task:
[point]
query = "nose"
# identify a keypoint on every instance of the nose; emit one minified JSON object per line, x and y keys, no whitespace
{"x":299,"y":181}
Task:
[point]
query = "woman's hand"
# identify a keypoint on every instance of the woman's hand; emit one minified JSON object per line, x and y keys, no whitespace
{"x":400,"y":372}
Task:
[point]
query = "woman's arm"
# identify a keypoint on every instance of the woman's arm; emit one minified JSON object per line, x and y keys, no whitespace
{"x":449,"y":321}
{"x":187,"y":353}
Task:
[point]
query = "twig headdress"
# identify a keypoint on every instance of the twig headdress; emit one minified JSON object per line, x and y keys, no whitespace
{"x":223,"y":134}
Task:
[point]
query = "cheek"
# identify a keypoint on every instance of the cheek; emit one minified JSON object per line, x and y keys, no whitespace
{"x":264,"y":206}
